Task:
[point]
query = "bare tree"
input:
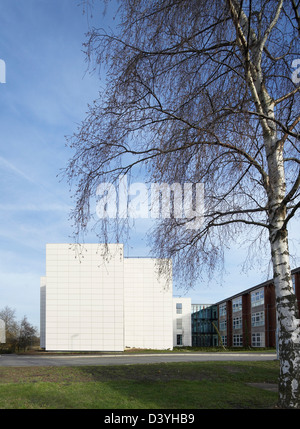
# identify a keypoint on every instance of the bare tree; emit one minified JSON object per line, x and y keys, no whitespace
{"x":204,"y":91}
{"x":19,"y":334}
{"x":27,"y":334}
{"x":8,"y":315}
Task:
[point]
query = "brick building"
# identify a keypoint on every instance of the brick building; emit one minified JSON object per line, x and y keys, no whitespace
{"x":249,"y":318}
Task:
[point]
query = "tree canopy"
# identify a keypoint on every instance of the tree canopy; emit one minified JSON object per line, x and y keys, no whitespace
{"x":203,"y":92}
{"x":193,"y":88}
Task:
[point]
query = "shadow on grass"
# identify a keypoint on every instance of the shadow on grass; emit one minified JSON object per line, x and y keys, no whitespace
{"x":175,"y":394}
{"x":204,"y":385}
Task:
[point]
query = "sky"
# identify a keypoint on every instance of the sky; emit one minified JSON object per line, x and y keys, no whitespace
{"x":44,"y":97}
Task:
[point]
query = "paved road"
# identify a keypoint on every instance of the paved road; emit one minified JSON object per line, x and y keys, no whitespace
{"x":115,"y":359}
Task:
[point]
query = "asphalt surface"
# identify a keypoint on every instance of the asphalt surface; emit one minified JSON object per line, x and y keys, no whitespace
{"x":121,"y":359}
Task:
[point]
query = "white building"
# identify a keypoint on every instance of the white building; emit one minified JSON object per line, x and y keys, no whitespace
{"x":2,"y":332}
{"x":94,"y":299}
{"x":182,"y":330}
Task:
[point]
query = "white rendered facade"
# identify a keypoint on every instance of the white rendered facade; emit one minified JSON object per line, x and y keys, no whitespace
{"x":93,"y":299}
{"x":147,"y":306}
{"x":182,"y":324}
{"x":2,"y":332}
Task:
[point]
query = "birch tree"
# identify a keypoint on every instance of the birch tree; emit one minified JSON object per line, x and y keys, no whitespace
{"x":204,"y":92}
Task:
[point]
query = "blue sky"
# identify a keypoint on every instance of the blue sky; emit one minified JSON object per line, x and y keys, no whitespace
{"x":45,"y":96}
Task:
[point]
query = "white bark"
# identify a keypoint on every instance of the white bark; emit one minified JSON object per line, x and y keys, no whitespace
{"x":275,"y":185}
{"x":286,"y":303}
{"x":288,"y":323}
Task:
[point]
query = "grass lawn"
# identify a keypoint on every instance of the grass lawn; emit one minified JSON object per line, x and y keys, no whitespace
{"x":198,"y":385}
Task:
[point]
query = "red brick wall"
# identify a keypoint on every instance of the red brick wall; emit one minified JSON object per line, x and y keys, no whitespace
{"x":246,"y":314}
{"x":270,"y":316}
{"x":229,"y":323}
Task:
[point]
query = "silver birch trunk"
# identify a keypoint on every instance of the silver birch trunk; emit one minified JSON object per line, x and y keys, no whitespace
{"x":275,"y":185}
{"x":286,"y":303}
{"x":288,"y":322}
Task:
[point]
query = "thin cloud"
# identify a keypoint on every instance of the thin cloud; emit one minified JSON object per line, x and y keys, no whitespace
{"x":15,"y":169}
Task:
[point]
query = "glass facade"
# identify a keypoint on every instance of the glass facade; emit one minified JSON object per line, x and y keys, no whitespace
{"x":204,"y":321}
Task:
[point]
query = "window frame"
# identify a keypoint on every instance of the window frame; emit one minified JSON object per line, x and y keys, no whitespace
{"x":237,"y":323}
{"x":237,"y":304}
{"x":222,"y":310}
{"x":179,"y":324}
{"x":237,"y":340}
{"x":258,"y":339}
{"x":179,"y":339}
{"x":178,"y":307}
{"x":258,"y":319}
{"x":257,"y":298}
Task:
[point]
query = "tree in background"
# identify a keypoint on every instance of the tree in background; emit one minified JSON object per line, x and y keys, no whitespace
{"x":204,"y":92}
{"x":8,"y":315}
{"x":27,"y":334}
{"x":19,"y":335}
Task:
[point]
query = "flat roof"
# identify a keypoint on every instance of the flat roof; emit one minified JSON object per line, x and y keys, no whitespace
{"x":266,"y":283}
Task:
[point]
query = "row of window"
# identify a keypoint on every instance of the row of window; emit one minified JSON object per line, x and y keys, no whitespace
{"x":179,"y":323}
{"x":257,"y":319}
{"x":257,"y":298}
{"x":257,"y":340}
{"x":205,"y":327}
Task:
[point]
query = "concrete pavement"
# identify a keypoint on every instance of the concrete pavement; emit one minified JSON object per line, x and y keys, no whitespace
{"x":122,"y":359}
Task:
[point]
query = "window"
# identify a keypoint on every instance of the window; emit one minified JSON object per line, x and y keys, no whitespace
{"x":223,"y":325}
{"x":237,"y":304}
{"x":237,"y":323}
{"x":294,"y":283}
{"x":258,"y":319}
{"x":237,"y":340}
{"x":179,"y":323}
{"x":222,"y":310}
{"x":224,"y":340}
{"x":214,"y":313}
{"x":178,"y":308}
{"x":257,"y":298}
{"x":179,"y":340}
{"x":258,"y":339}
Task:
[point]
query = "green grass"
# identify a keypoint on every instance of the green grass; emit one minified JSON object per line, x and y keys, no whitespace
{"x":186,"y":349}
{"x":198,"y":385}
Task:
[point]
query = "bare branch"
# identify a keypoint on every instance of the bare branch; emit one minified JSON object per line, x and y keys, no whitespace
{"x":284,"y":97}
{"x":296,"y":11}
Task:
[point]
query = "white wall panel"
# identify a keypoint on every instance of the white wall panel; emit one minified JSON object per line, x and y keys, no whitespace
{"x":80,"y":298}
{"x":185,"y":316}
{"x":147,"y":299}
{"x":92,"y":300}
